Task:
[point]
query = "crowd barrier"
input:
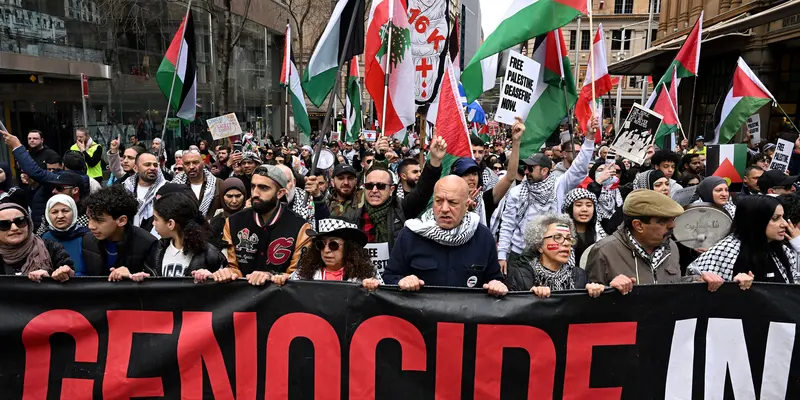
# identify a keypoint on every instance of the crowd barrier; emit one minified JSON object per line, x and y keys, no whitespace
{"x":174,"y":339}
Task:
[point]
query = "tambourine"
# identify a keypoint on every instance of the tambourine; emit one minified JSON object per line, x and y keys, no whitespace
{"x":701,"y":225}
{"x":326,"y":159}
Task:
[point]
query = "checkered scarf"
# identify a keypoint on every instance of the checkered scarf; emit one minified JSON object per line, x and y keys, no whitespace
{"x":540,"y":193}
{"x":489,"y":179}
{"x":721,"y":258}
{"x":302,"y":204}
{"x":555,"y":280}
{"x":427,"y":227}
{"x":608,"y":202}
{"x":655,"y":258}
{"x":208,"y":193}
{"x":580,"y":194}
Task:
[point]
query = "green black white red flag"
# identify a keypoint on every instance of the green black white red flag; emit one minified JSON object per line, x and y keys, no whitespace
{"x":353,"y":105}
{"x":746,"y":96}
{"x":291,"y":81}
{"x":180,"y":66}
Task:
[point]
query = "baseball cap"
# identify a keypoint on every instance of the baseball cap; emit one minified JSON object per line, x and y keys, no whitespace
{"x":464,"y":165}
{"x":273,"y":172}
{"x":67,"y":178}
{"x":774,"y":178}
{"x":699,"y":139}
{"x":538,"y":159}
{"x":344,"y":169}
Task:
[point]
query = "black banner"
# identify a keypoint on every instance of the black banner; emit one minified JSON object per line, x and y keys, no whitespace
{"x":173,"y":339}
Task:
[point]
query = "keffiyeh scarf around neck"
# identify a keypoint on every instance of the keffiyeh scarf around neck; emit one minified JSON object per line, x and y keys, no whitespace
{"x":555,"y":280}
{"x":208,"y":193}
{"x":145,"y":205}
{"x":541,"y":193}
{"x":302,"y":204}
{"x":427,"y":227}
{"x":489,"y":179}
{"x":655,"y":258}
{"x":721,"y":258}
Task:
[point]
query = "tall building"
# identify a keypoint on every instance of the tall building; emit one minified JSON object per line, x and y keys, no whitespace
{"x":471,"y":32}
{"x":119,"y":45}
{"x":766,"y":34}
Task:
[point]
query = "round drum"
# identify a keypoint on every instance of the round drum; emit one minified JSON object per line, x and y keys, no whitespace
{"x":326,"y":159}
{"x":701,"y":226}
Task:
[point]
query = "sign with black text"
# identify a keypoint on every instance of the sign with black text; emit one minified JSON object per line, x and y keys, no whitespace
{"x":783,"y":153}
{"x":754,"y":128}
{"x":174,"y":339}
{"x":516,"y":95}
{"x":637,"y":134}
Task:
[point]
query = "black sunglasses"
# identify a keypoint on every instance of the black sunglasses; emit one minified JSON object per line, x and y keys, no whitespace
{"x":60,"y":188}
{"x":379,"y":185}
{"x":55,"y":169}
{"x":20,"y":222}
{"x":320,"y":245}
{"x":498,"y":168}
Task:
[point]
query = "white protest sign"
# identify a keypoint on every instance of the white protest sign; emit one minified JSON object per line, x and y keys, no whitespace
{"x":224,"y":126}
{"x":754,"y":127}
{"x":370,"y":136}
{"x":516,"y":95}
{"x":637,"y":134}
{"x":783,"y":152}
{"x":379,"y":253}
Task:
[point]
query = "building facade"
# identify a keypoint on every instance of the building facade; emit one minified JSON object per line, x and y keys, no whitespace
{"x":766,"y":34}
{"x":45,"y":45}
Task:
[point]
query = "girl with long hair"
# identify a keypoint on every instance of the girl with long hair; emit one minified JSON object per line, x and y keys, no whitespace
{"x":184,"y":248}
{"x":755,"y":248}
{"x":581,"y":206}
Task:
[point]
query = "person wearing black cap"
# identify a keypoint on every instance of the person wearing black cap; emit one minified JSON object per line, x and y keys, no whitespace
{"x":540,"y":193}
{"x":699,"y":146}
{"x":485,"y":202}
{"x":266,"y":238}
{"x":344,"y":200}
{"x":68,"y":183}
{"x":776,"y":183}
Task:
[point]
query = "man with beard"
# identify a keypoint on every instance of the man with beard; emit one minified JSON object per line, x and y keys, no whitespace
{"x":266,"y":238}
{"x":121,"y":169}
{"x":223,"y":154}
{"x":693,"y":164}
{"x":38,"y":150}
{"x":250,"y":160}
{"x":541,"y":193}
{"x":344,"y":201}
{"x":205,"y":186}
{"x":144,"y":185}
{"x":383,"y":215}
{"x":478,"y":152}
{"x":409,"y":173}
{"x":447,"y":247}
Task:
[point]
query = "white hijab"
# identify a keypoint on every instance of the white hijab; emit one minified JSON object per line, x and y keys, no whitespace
{"x":67,"y":201}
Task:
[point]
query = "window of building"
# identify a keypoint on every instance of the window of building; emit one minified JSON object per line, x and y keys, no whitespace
{"x":617,"y":41}
{"x":585,"y":42}
{"x":623,"y":6}
{"x":573,"y":39}
{"x":653,"y":35}
{"x":633,"y":81}
{"x":657,"y":6}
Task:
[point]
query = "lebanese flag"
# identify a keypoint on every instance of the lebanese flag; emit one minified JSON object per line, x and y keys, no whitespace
{"x":181,"y":57}
{"x":390,"y":16}
{"x":746,"y":96}
{"x":290,"y":79}
{"x":602,"y":84}
{"x":667,"y":105}
{"x":451,"y":125}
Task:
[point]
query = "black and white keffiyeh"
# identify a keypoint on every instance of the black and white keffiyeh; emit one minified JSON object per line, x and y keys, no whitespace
{"x":580,"y":194}
{"x":145,"y":205}
{"x":608,"y":203}
{"x":721,"y":258}
{"x":208,"y":192}
{"x":541,"y":193}
{"x":302,"y":204}
{"x":489,"y":179}
{"x":427,"y":227}
{"x":655,"y":258}
{"x":555,"y":280}
{"x":642,"y":180}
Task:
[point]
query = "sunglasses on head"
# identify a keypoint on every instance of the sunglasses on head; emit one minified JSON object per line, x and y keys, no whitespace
{"x":379,"y":185}
{"x":333,"y":245}
{"x":20,"y":222}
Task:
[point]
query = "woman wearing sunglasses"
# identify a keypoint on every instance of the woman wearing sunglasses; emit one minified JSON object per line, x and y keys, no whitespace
{"x":550,"y":238}
{"x":337,"y":254}
{"x":23,"y":253}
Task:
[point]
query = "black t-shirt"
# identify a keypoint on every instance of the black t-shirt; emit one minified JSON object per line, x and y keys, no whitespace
{"x":488,"y":205}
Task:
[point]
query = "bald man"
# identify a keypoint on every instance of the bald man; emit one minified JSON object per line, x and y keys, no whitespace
{"x":446,"y":247}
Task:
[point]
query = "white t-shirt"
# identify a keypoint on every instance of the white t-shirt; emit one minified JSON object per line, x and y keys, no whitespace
{"x":196,"y":189}
{"x":141,"y":191}
{"x":175,"y":262}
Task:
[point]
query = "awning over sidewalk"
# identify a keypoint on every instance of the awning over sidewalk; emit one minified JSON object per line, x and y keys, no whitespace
{"x":647,"y":61}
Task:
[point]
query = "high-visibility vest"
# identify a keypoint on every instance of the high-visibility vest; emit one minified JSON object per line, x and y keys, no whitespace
{"x":97,"y":170}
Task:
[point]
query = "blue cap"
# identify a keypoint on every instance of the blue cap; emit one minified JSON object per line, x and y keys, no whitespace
{"x":464,"y":165}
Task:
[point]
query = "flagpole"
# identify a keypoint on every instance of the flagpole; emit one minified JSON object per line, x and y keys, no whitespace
{"x":388,"y":68}
{"x":559,"y":40}
{"x":674,"y":109}
{"x":172,"y":87}
{"x":326,"y":124}
{"x":591,"y":57}
{"x":691,"y":110}
{"x":787,"y":116}
{"x":288,"y":83}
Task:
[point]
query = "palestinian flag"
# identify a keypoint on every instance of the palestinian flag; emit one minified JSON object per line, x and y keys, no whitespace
{"x":746,"y":96}
{"x":686,"y":63}
{"x":353,"y":105}
{"x":320,"y":73}
{"x":181,"y":57}
{"x":523,"y":20}
{"x":291,"y":80}
{"x":667,"y":105}
{"x":451,"y":124}
{"x":727,"y":161}
{"x":549,"y":105}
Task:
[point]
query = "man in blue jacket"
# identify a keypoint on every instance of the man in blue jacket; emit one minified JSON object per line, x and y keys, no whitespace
{"x":448,"y":247}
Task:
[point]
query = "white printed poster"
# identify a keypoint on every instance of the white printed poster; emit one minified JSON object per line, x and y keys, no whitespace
{"x":519,"y":84}
{"x":224,"y":126}
{"x":379,"y":253}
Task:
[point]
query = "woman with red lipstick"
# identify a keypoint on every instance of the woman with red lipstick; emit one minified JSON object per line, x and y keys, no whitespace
{"x":550,"y":238}
{"x":755,"y":248}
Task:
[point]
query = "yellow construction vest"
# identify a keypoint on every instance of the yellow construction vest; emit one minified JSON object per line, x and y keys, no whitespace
{"x":97,"y":170}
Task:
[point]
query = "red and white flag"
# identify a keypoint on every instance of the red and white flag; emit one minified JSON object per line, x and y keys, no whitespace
{"x":602,"y":85}
{"x":388,"y":43}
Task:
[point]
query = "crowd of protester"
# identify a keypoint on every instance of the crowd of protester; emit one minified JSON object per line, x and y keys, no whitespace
{"x":567,"y":217}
